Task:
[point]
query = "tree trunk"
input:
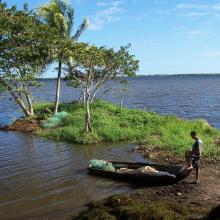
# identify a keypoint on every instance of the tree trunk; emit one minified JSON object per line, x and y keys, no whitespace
{"x":58,"y":87}
{"x":18,"y":100}
{"x":30,"y":105}
{"x":99,"y":85}
{"x":121,"y":103}
{"x":21,"y":104}
{"x":88,"y":117}
{"x":80,"y":97}
{"x":84,"y":98}
{"x":94,"y":94}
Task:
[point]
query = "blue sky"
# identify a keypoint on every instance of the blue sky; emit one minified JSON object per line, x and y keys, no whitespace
{"x":167,"y":36}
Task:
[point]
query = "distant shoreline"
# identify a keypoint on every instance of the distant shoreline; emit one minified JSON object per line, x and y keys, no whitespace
{"x":157,"y":75}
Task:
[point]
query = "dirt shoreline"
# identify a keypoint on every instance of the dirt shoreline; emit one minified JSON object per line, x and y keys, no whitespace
{"x":23,"y":125}
{"x":183,"y":200}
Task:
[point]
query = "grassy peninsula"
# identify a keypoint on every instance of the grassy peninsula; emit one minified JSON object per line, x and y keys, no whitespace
{"x":112,"y":124}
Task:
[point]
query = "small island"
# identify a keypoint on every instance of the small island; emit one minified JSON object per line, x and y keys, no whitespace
{"x":111,"y":123}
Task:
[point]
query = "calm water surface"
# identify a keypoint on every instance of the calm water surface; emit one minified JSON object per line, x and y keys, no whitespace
{"x":39,"y":176}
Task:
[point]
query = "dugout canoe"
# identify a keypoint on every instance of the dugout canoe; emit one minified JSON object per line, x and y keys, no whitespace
{"x":167,"y":174}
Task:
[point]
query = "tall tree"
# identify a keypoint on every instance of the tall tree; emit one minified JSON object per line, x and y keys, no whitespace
{"x":60,"y":15}
{"x":24,"y":52}
{"x":93,"y":66}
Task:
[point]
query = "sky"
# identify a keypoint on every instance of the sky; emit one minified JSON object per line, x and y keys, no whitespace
{"x":167,"y":36}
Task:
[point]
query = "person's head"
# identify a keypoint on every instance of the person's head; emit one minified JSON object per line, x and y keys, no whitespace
{"x":193,"y":134}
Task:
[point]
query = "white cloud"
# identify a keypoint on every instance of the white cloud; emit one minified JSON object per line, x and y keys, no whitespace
{"x":138,"y":17}
{"x":113,"y":3}
{"x":161,"y":12}
{"x":215,"y":53}
{"x":192,"y":6}
{"x":195,"y":14}
{"x":198,"y":10}
{"x":189,"y":6}
{"x":194,"y":34}
{"x":106,"y":16}
{"x":160,"y":1}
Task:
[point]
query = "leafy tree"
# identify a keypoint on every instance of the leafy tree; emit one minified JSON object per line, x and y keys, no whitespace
{"x":93,"y":66}
{"x":60,"y":15}
{"x":24,"y":53}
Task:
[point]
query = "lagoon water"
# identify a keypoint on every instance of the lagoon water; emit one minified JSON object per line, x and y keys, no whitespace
{"x":41,"y":177}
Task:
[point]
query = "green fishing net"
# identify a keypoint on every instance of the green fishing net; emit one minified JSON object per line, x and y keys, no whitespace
{"x":101,"y":164}
{"x":55,"y":120}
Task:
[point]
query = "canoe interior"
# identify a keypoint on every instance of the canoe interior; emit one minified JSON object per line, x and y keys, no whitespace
{"x":172,"y":169}
{"x":175,"y":173}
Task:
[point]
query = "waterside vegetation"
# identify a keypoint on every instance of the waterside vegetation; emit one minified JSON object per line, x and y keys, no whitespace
{"x":112,"y":124}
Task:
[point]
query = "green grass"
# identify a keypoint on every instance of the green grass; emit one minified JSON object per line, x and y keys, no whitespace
{"x":110,"y":124}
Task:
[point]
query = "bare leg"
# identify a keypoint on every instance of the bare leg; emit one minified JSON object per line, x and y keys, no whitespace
{"x":188,"y":159}
{"x":197,"y":174}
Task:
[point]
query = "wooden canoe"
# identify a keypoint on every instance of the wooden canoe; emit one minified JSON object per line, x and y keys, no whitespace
{"x":167,"y":174}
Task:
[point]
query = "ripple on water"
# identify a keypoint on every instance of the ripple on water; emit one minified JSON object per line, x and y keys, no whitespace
{"x":38,"y":176}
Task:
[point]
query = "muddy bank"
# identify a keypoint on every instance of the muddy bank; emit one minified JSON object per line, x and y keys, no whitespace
{"x":183,"y":200}
{"x":164,"y":156}
{"x":23,"y":125}
{"x":121,"y":207}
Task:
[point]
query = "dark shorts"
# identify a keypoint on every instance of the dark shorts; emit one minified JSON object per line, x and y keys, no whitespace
{"x":195,"y":161}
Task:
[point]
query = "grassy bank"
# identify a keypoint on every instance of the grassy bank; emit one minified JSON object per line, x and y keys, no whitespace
{"x":112,"y":124}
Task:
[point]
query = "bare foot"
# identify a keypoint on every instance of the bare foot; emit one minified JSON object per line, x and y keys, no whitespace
{"x":189,"y":168}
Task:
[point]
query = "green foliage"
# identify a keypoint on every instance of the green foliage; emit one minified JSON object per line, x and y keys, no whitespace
{"x":99,"y":64}
{"x":113,"y":124}
{"x":24,"y":52}
{"x":23,"y":43}
{"x":59,"y":14}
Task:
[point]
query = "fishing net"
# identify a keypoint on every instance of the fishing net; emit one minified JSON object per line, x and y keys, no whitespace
{"x":101,"y":164}
{"x":55,"y":120}
{"x":61,"y":115}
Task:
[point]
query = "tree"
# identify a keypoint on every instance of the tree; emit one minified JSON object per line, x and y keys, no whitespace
{"x":93,"y":66}
{"x":60,"y":15}
{"x":24,"y":53}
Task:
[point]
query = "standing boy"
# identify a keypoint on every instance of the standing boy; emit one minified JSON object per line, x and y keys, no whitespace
{"x":193,"y":157}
